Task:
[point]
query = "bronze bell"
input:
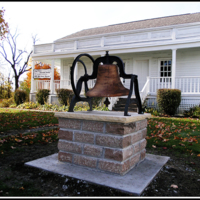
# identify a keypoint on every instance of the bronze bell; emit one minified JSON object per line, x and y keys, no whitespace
{"x":108,"y":83}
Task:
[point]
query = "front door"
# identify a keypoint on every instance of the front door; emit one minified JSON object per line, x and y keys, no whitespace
{"x":142,"y":71}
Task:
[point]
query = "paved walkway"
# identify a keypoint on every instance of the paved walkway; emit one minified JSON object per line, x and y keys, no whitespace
{"x":32,"y":110}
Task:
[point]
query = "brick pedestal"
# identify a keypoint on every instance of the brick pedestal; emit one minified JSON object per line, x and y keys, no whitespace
{"x":106,"y":141}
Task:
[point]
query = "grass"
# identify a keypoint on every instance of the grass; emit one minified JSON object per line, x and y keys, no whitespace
{"x":14,"y":142}
{"x":21,"y":119}
{"x":178,"y":134}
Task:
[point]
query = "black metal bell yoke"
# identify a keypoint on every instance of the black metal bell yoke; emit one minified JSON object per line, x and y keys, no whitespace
{"x":108,"y":83}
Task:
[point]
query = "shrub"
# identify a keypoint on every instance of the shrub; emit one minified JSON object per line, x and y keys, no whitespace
{"x":192,"y":112}
{"x":96,"y":100}
{"x":28,"y":105}
{"x":153,"y":111}
{"x":169,"y":100}
{"x":13,"y":105}
{"x":64,"y":96}
{"x":20,"y":96}
{"x":7,"y":102}
{"x":42,"y":96}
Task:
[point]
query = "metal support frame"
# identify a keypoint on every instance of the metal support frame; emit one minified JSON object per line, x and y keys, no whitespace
{"x":105,"y":60}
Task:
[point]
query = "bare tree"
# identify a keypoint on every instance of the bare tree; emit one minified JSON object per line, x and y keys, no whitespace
{"x":35,"y":39}
{"x":16,"y":61}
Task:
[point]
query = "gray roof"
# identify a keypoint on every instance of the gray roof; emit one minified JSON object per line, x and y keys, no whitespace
{"x":141,"y":24}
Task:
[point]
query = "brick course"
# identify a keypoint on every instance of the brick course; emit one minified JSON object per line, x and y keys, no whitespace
{"x":110,"y":166}
{"x":66,"y":135}
{"x":93,"y":126}
{"x":118,"y":154}
{"x":142,"y":155}
{"x":141,"y":124}
{"x":93,"y":150}
{"x":85,"y":161}
{"x":70,"y":123}
{"x":70,"y":146}
{"x":120,"y":129}
{"x":84,"y":137}
{"x":113,"y":141}
{"x":66,"y":157}
{"x":143,"y":144}
{"x":136,"y":147}
{"x":134,"y":159}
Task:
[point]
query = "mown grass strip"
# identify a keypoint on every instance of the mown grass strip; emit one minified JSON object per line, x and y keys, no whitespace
{"x":20,"y":119}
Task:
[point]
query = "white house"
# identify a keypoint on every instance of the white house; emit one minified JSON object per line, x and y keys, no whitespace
{"x":164,"y":53}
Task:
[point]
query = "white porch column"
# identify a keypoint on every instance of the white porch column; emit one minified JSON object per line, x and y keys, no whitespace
{"x":52,"y":77}
{"x":61,"y":76}
{"x":173,"y":67}
{"x":32,"y":79}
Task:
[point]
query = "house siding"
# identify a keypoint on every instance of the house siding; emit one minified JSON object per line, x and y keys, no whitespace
{"x":188,"y":62}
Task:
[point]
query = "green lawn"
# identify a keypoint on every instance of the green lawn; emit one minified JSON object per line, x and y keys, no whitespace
{"x":14,"y":142}
{"x":180,"y":134}
{"x":23,"y":119}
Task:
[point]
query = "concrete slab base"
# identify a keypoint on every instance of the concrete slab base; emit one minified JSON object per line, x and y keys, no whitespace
{"x":134,"y":182}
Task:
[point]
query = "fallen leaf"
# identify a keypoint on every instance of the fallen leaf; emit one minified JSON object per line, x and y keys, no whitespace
{"x":21,"y":188}
{"x":164,"y":147}
{"x":174,"y":186}
{"x":165,"y":140}
{"x":198,"y":155}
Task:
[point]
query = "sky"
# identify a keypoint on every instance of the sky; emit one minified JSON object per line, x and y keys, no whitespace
{"x":56,"y":19}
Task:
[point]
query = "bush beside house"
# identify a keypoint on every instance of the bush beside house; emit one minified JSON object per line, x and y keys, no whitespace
{"x":42,"y":96}
{"x":168,"y":100}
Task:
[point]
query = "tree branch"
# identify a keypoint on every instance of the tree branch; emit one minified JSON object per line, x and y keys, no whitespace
{"x":5,"y":55}
{"x":25,"y":64}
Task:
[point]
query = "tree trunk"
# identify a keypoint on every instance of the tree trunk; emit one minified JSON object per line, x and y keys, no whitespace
{"x":16,"y":82}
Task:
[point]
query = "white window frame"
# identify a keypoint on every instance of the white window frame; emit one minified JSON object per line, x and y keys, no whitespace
{"x":159,"y":69}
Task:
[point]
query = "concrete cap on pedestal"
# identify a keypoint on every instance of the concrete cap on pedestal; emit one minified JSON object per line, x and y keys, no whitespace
{"x":106,"y":116}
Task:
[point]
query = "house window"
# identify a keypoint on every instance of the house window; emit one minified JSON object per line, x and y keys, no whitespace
{"x":165,"y":70}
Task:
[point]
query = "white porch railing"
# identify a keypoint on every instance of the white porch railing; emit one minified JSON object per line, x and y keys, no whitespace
{"x":65,"y":84}
{"x":56,"y":86}
{"x":41,"y":84}
{"x":159,"y":83}
{"x":188,"y":84}
{"x":145,"y":90}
